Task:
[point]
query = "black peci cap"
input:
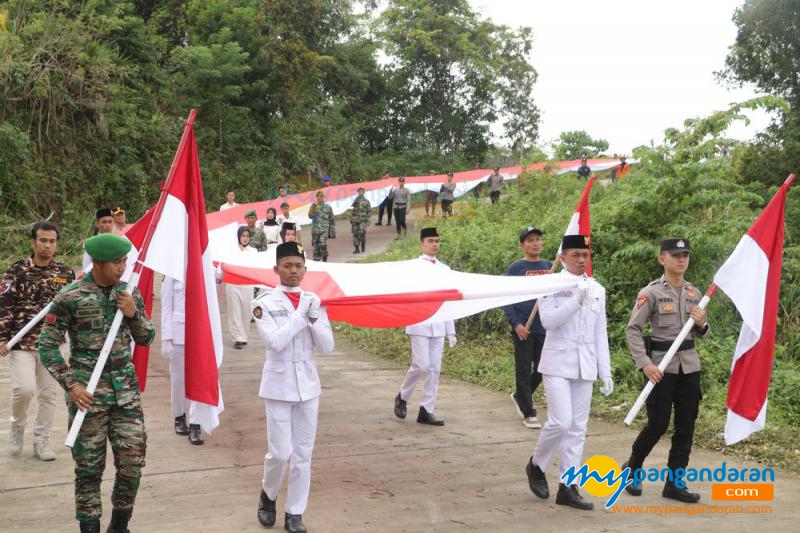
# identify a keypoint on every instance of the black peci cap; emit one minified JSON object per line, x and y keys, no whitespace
{"x":575,"y":241}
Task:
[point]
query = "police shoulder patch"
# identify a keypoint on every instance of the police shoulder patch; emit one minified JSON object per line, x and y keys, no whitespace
{"x":640,"y":301}
{"x":257,"y":312}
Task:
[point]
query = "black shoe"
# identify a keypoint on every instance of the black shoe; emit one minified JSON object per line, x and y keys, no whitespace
{"x":294,"y":523}
{"x":569,"y":496}
{"x":238,"y":345}
{"x":537,"y":481}
{"x":363,"y":245}
{"x":119,"y":520}
{"x":266,"y":510}
{"x":244,"y":343}
{"x":180,"y":425}
{"x":424,"y":417}
{"x":90,"y":526}
{"x":683,"y":495}
{"x":633,"y":488}
{"x":324,"y":260}
{"x":356,"y":250}
{"x":399,"y":406}
{"x":195,"y":435}
{"x":379,"y":223}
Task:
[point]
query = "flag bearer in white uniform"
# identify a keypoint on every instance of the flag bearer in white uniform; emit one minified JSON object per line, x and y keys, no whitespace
{"x":173,"y":340}
{"x":575,"y":352}
{"x":291,"y":323}
{"x":427,"y":345}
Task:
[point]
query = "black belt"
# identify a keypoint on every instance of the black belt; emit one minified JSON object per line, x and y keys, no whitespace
{"x":663,"y":346}
{"x":399,"y":205}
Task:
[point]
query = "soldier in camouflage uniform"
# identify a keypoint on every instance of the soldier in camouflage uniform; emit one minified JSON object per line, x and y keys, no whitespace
{"x":323,"y":227}
{"x":85,"y":310}
{"x":258,"y":239}
{"x":359,"y":220}
{"x":27,"y":287}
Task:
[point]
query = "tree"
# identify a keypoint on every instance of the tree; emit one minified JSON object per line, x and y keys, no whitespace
{"x":575,"y":144}
{"x":453,"y":74}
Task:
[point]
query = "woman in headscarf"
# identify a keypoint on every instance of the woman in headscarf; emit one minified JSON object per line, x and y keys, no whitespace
{"x":238,"y":297}
{"x":271,"y":227}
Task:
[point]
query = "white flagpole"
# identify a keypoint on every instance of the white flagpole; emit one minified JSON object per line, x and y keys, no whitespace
{"x":687,"y":327}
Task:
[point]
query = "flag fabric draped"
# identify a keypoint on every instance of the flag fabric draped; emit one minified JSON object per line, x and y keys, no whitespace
{"x":179,"y":248}
{"x":751,"y":277}
{"x":400,"y":293}
{"x":580,"y":223}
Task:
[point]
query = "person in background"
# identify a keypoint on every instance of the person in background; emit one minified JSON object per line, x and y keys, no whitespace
{"x":119,"y":221}
{"x":359,"y":220}
{"x":447,"y":194}
{"x":402,"y":200}
{"x":271,"y":227}
{"x":258,"y":239}
{"x":230,"y":201}
{"x":386,"y":205}
{"x":238,"y":297}
{"x":584,"y":171}
{"x":288,"y":232}
{"x":104,"y":223}
{"x":286,"y":217}
{"x":431,"y":199}
{"x":495,"y":185}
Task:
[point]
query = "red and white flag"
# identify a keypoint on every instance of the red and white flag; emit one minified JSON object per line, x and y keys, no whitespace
{"x":580,"y":223}
{"x":751,"y":277}
{"x":179,"y":249}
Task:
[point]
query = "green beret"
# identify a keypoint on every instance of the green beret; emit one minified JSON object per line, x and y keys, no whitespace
{"x":250,"y":213}
{"x":107,"y":247}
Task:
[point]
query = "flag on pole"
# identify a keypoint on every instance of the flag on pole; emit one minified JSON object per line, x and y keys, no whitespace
{"x":179,"y":249}
{"x":751,"y":277}
{"x":580,"y":223}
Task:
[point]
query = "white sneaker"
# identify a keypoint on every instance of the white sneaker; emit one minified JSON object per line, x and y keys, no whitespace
{"x":41,"y":449}
{"x":516,"y":405}
{"x":531,"y":422}
{"x":15,"y":442}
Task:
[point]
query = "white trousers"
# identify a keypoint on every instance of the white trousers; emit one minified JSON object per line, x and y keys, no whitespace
{"x":291,"y":430}
{"x":29,"y":377}
{"x":568,"y":403}
{"x":238,"y":298}
{"x":180,"y":404}
{"x":426,"y":362}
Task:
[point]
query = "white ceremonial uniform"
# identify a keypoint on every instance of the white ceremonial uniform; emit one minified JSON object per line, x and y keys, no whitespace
{"x":427,"y":345}
{"x":290,"y":385}
{"x":173,"y":328}
{"x":237,"y":300}
{"x":272,"y":233}
{"x":226,"y":205}
{"x":575,"y":351}
{"x":281,"y":219}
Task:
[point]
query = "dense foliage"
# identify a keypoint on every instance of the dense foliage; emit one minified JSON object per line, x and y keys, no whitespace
{"x":576,"y":144}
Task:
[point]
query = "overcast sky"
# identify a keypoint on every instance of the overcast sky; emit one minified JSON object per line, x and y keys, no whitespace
{"x":625,"y":70}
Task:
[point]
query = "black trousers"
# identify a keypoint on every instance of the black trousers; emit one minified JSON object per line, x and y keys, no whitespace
{"x":447,"y":207}
{"x":400,"y":218}
{"x":494,"y":195}
{"x":681,"y":391}
{"x":527,"y":354}
{"x":385,"y":205}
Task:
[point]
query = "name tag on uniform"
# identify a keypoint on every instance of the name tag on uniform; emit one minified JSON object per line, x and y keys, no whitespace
{"x":60,"y":280}
{"x":276,"y":314}
{"x":566,"y":294}
{"x":88,"y":312}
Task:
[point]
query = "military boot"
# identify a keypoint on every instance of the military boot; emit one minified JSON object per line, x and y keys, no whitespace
{"x":119,"y":520}
{"x":90,"y":526}
{"x":363,"y":245}
{"x":356,"y":250}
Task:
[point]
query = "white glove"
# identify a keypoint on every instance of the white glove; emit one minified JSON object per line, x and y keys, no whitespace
{"x":583,"y":290}
{"x":167,"y":349}
{"x":313,"y":309}
{"x":305,"y":303}
{"x":451,"y":341}
{"x":607,"y":387}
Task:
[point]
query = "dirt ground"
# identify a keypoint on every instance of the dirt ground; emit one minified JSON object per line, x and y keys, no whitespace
{"x":371,"y":471}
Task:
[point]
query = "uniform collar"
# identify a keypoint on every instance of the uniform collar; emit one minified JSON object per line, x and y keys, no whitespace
{"x":429,"y":258}
{"x":665,"y":283}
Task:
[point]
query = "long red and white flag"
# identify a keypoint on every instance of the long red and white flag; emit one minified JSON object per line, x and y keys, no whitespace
{"x":751,"y":277}
{"x":580,"y":223}
{"x":179,"y":249}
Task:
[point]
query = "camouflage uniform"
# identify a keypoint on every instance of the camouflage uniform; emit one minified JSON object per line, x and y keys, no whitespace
{"x":359,"y":219}
{"x":323,"y":226}
{"x":25,"y":290}
{"x":85,"y":311}
{"x":258,"y":239}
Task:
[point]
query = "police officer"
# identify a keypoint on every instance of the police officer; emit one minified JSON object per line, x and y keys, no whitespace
{"x":173,"y":344}
{"x":496,"y":181}
{"x":292,"y":323}
{"x":85,"y":310}
{"x":258,"y":239}
{"x":359,"y":220}
{"x":667,"y":303}
{"x":401,"y":198}
{"x":27,"y":287}
{"x":427,"y":345}
{"x":575,"y":352}
{"x":323,"y":227}
{"x":447,"y":194}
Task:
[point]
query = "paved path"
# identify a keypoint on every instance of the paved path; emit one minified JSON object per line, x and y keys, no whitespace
{"x":371,"y":471}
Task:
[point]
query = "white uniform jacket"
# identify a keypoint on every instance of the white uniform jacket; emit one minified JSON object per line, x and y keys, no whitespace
{"x":290,"y":372}
{"x":173,"y":311}
{"x":576,"y":345}
{"x":439,"y":329}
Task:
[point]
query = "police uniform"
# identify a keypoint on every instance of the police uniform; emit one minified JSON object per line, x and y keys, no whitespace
{"x":427,"y":346}
{"x":323,"y":227}
{"x":575,"y":353}
{"x":359,"y":220}
{"x":666,"y":308}
{"x":291,"y":388}
{"x":447,"y":195}
{"x":173,"y":339}
{"x":401,"y":198}
{"x":25,"y":290}
{"x":85,"y":311}
{"x":496,"y":185}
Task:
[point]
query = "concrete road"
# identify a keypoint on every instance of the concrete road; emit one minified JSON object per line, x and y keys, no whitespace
{"x":371,"y":471}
